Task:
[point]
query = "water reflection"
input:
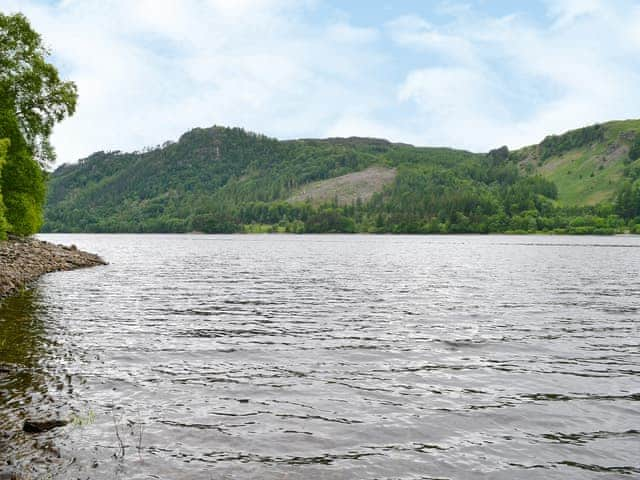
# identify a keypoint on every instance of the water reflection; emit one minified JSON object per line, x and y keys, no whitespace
{"x":27,"y":387}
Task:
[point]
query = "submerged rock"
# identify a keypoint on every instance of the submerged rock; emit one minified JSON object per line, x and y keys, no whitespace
{"x":23,"y":260}
{"x":34,"y":426}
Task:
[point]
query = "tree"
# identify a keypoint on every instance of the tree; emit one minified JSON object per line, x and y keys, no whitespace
{"x":31,"y":87}
{"x":628,"y":200}
{"x":4,"y":226}
{"x":32,"y":99}
{"x":22,"y":182}
{"x":634,"y":151}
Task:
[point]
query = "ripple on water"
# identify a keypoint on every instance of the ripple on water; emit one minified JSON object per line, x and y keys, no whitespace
{"x":329,"y":357}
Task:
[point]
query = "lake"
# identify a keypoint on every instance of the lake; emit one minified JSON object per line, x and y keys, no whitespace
{"x":329,"y":357}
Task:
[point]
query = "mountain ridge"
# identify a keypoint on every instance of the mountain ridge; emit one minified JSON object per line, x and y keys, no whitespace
{"x":225,"y":179}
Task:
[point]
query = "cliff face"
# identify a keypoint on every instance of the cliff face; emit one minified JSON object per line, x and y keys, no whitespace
{"x":23,"y":260}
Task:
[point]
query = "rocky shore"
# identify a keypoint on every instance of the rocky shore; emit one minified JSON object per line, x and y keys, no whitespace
{"x":23,"y":260}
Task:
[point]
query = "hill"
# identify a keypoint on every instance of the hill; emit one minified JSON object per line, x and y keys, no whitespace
{"x":226,"y":180}
{"x":589,"y":164}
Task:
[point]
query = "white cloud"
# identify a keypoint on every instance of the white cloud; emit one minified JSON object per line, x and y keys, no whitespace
{"x":566,"y":12}
{"x":509,"y":80}
{"x":416,"y":33}
{"x":345,"y":33}
{"x":447,"y":91}
{"x":149,"y":70}
{"x":454,"y":104}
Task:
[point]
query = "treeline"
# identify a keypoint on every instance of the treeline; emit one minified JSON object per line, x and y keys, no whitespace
{"x":32,"y":99}
{"x":558,"y":144}
{"x":262,"y":217}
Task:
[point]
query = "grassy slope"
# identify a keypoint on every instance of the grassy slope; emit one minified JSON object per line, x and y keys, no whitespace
{"x":589,"y":174}
{"x":580,"y":178}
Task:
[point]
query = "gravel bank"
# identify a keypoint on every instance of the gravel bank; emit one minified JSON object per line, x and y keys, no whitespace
{"x":23,"y":260}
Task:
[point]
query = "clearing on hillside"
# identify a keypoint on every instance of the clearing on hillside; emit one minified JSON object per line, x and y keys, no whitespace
{"x":346,"y":189}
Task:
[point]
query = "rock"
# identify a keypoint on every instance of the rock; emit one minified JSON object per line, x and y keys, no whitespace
{"x":499,"y":155}
{"x":33,"y":426}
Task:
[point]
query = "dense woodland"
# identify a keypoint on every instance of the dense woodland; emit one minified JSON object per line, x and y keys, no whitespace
{"x":226,"y":180}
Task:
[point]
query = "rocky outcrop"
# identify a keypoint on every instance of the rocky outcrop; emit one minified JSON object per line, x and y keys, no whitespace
{"x":23,"y":260}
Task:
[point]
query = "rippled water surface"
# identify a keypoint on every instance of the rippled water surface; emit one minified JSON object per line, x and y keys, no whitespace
{"x":199,"y":357}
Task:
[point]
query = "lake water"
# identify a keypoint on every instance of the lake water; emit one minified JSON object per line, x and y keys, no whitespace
{"x":329,"y":357}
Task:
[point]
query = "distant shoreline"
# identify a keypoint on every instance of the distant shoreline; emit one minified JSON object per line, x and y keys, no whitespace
{"x":466,"y":234}
{"x":24,"y":260}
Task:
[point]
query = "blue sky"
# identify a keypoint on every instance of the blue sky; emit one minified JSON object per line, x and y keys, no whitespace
{"x":472,"y":74}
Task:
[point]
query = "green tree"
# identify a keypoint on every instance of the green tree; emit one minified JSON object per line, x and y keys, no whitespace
{"x":628,"y":200}
{"x":634,"y":151}
{"x":32,"y":99}
{"x":4,"y":226}
{"x":30,"y":86}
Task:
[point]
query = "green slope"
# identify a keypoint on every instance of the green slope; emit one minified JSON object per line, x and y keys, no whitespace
{"x":587,"y":165}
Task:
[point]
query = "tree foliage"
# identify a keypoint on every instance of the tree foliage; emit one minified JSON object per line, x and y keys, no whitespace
{"x":22,"y":181}
{"x":558,"y":144}
{"x":628,"y":200}
{"x":32,"y":99}
{"x":4,"y":225}
{"x":30,"y":86}
{"x":634,"y":150}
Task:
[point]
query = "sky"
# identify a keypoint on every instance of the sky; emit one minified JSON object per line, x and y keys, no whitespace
{"x":473,"y":74}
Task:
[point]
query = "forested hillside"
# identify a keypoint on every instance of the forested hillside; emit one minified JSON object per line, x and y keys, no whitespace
{"x":229,"y":180}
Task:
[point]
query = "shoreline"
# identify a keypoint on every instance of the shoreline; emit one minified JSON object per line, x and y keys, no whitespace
{"x":461,"y":234}
{"x":24,"y":260}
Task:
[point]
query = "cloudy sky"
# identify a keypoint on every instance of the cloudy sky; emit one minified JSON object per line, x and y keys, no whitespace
{"x":472,"y":74}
